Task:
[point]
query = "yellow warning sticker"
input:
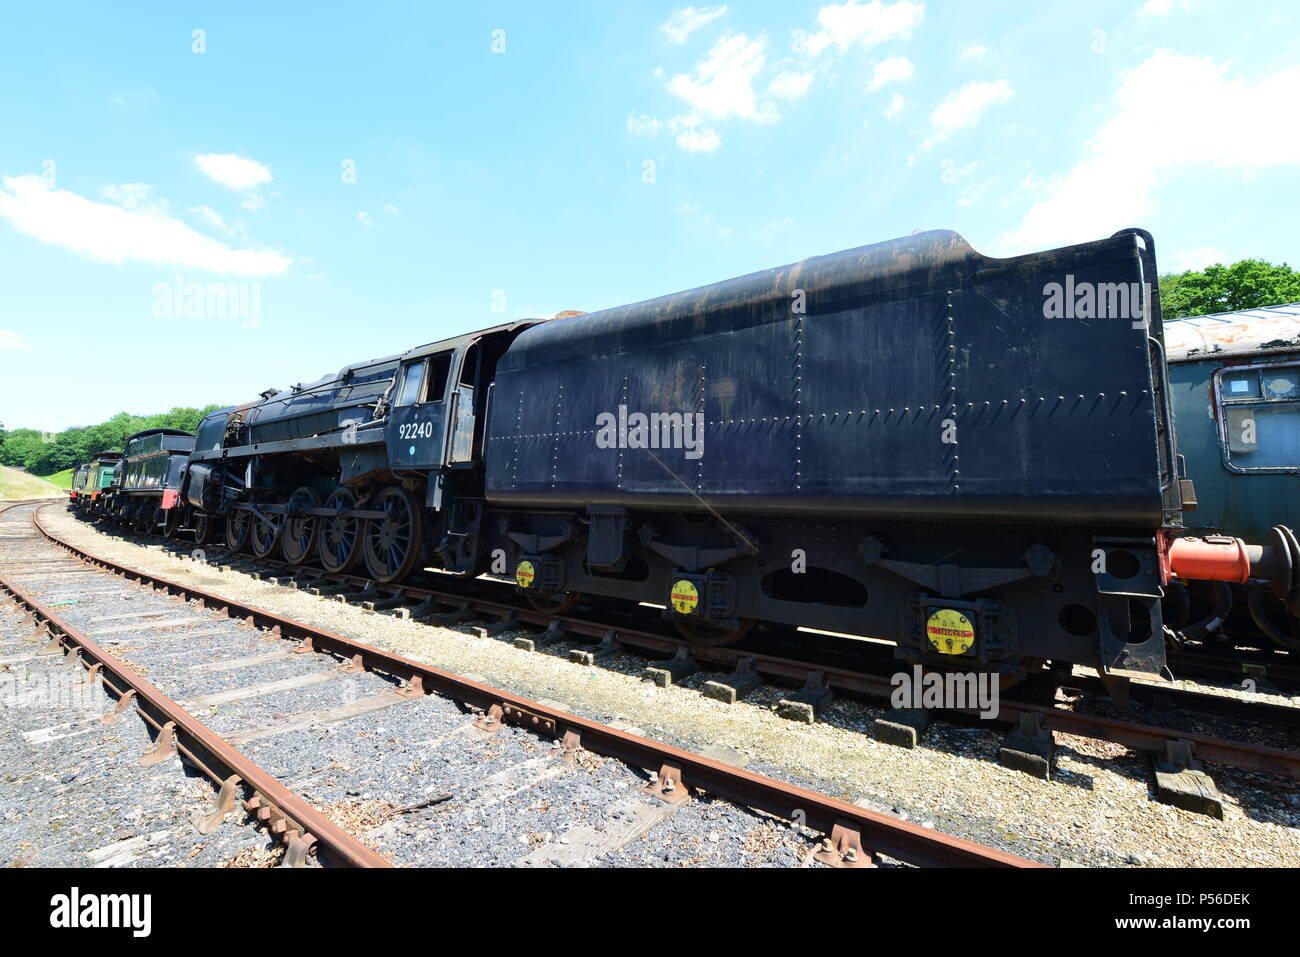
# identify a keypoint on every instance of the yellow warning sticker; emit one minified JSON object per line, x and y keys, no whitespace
{"x":524,"y":574}
{"x":685,"y":597}
{"x":950,"y":631}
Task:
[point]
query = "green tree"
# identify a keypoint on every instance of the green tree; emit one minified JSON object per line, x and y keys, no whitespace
{"x":21,"y":445}
{"x":1248,"y":284}
{"x":41,"y":455}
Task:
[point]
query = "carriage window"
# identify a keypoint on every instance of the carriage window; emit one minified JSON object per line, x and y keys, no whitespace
{"x":1260,"y":412}
{"x":413,"y":384}
{"x":1282,"y":385}
{"x":1241,"y":385}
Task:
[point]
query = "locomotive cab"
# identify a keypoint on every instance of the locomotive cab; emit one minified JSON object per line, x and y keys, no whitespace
{"x":417,"y":427}
{"x":440,"y":397}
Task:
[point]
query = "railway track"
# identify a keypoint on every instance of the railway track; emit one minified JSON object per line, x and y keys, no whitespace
{"x":853,"y":667}
{"x":1275,"y":666}
{"x":1247,"y":735}
{"x":253,"y":664}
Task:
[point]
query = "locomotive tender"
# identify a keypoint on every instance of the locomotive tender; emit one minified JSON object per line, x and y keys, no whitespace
{"x":906,"y":441}
{"x":151,"y":474}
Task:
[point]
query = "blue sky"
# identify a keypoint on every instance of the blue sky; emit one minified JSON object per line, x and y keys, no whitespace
{"x":514,"y":160}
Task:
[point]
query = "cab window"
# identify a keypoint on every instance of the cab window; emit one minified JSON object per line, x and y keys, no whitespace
{"x":413,"y":384}
{"x":425,"y":380}
{"x":439,"y":370}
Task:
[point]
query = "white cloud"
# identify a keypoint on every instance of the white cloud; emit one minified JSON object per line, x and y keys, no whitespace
{"x":702,"y":139}
{"x":133,"y":196}
{"x":392,"y":210}
{"x":1114,"y":185}
{"x":894,"y":70}
{"x":11,"y":340}
{"x":965,"y":107}
{"x":721,"y":87}
{"x":213,"y":219}
{"x":895,"y":106}
{"x":974,"y":53}
{"x":689,"y":130}
{"x":809,"y":44}
{"x":686,"y":20}
{"x":868,"y":24}
{"x":639,"y":124}
{"x":135,"y":231}
{"x":233,"y":171}
{"x":1199,"y":258}
{"x":789,"y":85}
{"x":363,"y":217}
{"x":722,"y":84}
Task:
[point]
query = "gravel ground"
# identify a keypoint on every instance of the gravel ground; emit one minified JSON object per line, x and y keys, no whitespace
{"x":414,"y":778}
{"x":1098,"y":810}
{"x":71,"y":790}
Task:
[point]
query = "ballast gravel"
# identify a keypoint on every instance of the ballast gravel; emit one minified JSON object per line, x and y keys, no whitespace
{"x":1099,"y":808}
{"x":414,"y":778}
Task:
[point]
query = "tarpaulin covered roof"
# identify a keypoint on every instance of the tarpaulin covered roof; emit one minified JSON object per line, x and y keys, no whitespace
{"x":1268,"y":329}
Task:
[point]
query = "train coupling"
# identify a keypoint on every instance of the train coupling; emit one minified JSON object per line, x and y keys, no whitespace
{"x":1227,"y":559}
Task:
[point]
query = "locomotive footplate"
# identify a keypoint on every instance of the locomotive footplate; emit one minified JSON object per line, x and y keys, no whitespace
{"x":944,"y":630}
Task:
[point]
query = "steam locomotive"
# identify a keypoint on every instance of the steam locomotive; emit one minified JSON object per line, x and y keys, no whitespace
{"x":973,"y":458}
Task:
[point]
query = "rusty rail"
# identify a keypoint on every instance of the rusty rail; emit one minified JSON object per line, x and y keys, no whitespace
{"x":305,"y":831}
{"x":847,"y":824}
{"x":1243,"y":755}
{"x":5,"y":506}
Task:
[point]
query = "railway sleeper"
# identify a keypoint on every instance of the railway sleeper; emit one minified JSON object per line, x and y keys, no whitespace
{"x":903,"y":727}
{"x":608,"y":647}
{"x":807,"y":705}
{"x":555,"y":632}
{"x":664,"y":673}
{"x":1029,"y":747}
{"x":731,"y":688}
{"x":1180,"y":780}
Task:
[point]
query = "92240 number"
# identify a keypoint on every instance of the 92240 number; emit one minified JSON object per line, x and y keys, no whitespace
{"x":415,"y":430}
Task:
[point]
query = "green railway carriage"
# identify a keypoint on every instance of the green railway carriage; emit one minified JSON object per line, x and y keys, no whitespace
{"x":102,"y":471}
{"x":1234,"y":379}
{"x":78,"y":490}
{"x":93,"y":482}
